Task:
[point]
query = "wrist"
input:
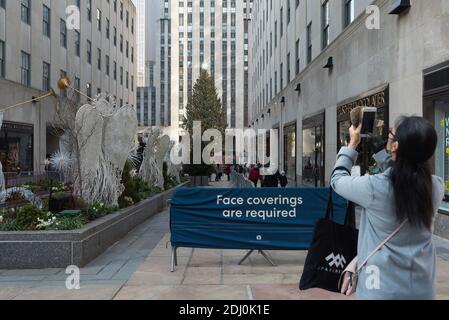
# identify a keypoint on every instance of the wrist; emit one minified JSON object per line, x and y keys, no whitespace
{"x":352,"y":146}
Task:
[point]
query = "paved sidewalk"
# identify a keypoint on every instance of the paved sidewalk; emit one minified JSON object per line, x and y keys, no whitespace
{"x":101,"y":279}
{"x":137,"y":267}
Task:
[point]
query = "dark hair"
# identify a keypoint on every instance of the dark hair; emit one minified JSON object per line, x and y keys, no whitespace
{"x":411,"y":176}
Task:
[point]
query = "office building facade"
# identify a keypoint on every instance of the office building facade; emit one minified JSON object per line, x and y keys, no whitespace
{"x":315,"y":61}
{"x":90,"y":41}
{"x":202,"y":34}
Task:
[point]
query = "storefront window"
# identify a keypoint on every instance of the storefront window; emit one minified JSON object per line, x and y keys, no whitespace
{"x":441,"y":122}
{"x":16,"y":147}
{"x":290,"y":152}
{"x":313,"y":152}
{"x":379,"y":100}
{"x":436,"y":110}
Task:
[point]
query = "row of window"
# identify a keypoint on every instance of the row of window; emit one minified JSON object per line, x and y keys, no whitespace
{"x":25,"y":10}
{"x":63,"y":36}
{"x":266,"y":94}
{"x":25,"y":70}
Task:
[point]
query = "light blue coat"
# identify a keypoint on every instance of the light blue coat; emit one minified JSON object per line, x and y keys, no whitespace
{"x":405,"y":267}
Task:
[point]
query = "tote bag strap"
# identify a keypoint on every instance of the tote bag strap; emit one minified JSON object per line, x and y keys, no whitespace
{"x":330,"y":206}
{"x":395,"y":232}
{"x":350,"y":215}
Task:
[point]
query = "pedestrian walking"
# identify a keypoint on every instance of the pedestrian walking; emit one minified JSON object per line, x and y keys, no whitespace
{"x":404,"y":197}
{"x":283,"y":181}
{"x":254,"y":175}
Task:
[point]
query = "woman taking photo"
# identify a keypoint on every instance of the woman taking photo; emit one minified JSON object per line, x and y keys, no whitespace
{"x":405,"y":191}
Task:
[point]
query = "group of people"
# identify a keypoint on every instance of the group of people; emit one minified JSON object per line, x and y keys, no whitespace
{"x":267,"y":181}
{"x":253,"y":174}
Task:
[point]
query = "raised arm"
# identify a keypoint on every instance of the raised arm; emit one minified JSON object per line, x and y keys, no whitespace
{"x":355,"y":189}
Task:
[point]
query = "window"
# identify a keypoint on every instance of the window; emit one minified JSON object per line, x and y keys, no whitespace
{"x":89,"y":90}
{"x":282,"y":76}
{"x":127,"y":80}
{"x":297,"y":54}
{"x":2,"y":59}
{"x":115,"y":36}
{"x":288,"y":68}
{"x":282,"y":22}
{"x":115,"y":70}
{"x":275,"y":34}
{"x":46,"y":21}
{"x":121,"y":11}
{"x":288,"y":11}
{"x":89,"y":10}
{"x":77,"y":87}
{"x":63,"y":33}
{"x":121,"y":43}
{"x":121,"y":75}
{"x":77,"y":43}
{"x":348,"y":12}
{"x":2,"y":4}
{"x":99,"y":59}
{"x":25,"y":11}
{"x":325,"y":24}
{"x":25,"y":69}
{"x":63,"y":74}
{"x":89,"y":52}
{"x":107,"y":65}
{"x":309,"y":43}
{"x":98,"y":20}
{"x":107,"y":28}
{"x":45,"y":76}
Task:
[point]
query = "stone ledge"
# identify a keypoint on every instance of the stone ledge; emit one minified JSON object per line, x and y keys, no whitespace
{"x":59,"y":249}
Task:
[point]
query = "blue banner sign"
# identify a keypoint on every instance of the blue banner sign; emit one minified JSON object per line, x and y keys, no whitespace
{"x":249,"y":219}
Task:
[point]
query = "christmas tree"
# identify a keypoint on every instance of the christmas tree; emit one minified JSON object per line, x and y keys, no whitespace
{"x":204,"y":106}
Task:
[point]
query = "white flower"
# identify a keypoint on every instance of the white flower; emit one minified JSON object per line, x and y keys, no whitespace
{"x":1,"y":219}
{"x":61,"y":160}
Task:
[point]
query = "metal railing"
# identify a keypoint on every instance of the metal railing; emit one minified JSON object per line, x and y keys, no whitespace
{"x":240,"y":181}
{"x":14,"y":179}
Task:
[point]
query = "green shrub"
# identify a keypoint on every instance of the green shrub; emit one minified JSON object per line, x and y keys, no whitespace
{"x":67,"y":223}
{"x":27,"y":217}
{"x":97,"y":210}
{"x":8,"y":225}
{"x":135,"y":188}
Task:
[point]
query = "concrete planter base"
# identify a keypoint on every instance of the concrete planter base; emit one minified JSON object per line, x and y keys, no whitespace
{"x":59,"y":249}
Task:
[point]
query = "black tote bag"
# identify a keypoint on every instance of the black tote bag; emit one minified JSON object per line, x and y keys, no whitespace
{"x":333,"y":247}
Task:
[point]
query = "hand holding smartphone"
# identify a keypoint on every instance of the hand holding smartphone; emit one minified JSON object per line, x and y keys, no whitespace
{"x":368,"y":122}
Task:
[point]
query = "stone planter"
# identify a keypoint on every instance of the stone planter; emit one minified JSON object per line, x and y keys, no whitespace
{"x":59,"y":249}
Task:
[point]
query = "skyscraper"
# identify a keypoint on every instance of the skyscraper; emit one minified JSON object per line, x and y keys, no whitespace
{"x":208,"y":35}
{"x":147,"y":29}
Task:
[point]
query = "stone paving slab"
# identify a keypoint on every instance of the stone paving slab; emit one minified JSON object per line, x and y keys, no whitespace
{"x":138,"y":268}
{"x":104,"y":292}
{"x":291,"y":292}
{"x":183,"y":292}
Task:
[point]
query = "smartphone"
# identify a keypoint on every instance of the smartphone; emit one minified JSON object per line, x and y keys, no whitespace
{"x":368,"y":121}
